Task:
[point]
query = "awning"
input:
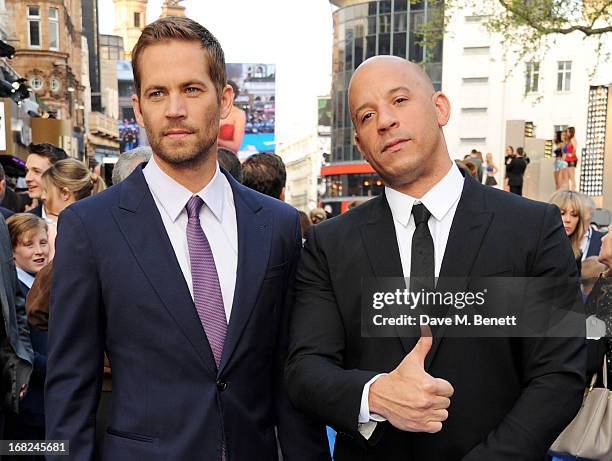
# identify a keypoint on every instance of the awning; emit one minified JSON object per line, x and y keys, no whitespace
{"x":6,"y":50}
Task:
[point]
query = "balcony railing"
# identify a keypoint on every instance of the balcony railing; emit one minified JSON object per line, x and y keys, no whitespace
{"x":103,"y":125}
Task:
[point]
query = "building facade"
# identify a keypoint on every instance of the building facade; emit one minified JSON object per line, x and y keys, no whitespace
{"x":303,"y":160}
{"x":47,"y":38}
{"x":361,"y":30}
{"x":490,"y":86}
{"x":130,"y":19}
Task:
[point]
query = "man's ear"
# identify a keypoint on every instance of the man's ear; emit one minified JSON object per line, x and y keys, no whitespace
{"x":137,"y":110}
{"x":226,"y":101}
{"x":443,"y":107}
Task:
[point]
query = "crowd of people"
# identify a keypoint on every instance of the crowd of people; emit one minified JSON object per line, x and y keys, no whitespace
{"x":516,"y":162}
{"x":129,"y":135}
{"x":187,"y":312}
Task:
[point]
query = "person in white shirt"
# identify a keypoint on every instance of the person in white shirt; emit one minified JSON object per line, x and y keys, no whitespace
{"x":183,"y":277}
{"x":417,"y":393}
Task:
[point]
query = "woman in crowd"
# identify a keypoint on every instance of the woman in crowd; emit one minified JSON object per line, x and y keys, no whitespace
{"x":491,"y":171}
{"x":231,"y":129}
{"x":599,"y":304}
{"x":64,"y":183}
{"x":573,"y":216}
{"x":31,"y":252}
{"x":560,"y":172}
{"x":570,"y":149}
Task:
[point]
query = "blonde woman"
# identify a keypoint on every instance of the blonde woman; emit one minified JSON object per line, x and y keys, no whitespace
{"x":64,"y":183}
{"x":491,"y":169}
{"x":573,"y":215}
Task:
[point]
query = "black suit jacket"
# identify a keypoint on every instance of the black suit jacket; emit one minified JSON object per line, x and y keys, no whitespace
{"x":122,"y":291}
{"x":516,"y":170}
{"x":512,"y":396}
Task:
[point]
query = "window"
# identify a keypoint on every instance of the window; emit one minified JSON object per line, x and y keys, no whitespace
{"x":564,"y":75}
{"x":126,"y":89}
{"x":137,"y":20}
{"x":36,"y":82}
{"x":476,"y":50}
{"x":475,"y":79}
{"x":532,"y":77}
{"x":55,"y":85}
{"x":53,"y":29}
{"x":34,"y":26}
{"x":473,"y":110}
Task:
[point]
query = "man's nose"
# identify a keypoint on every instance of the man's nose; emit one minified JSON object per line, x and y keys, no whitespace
{"x":387,"y":119}
{"x":176,"y":106}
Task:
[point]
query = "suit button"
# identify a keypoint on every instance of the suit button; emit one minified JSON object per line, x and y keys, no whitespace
{"x":221,"y":385}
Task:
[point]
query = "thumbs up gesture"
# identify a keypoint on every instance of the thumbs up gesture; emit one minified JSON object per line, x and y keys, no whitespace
{"x":410,"y":398}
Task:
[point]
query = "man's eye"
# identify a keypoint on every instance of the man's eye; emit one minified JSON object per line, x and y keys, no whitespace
{"x":400,"y":99}
{"x":155,"y":94}
{"x":193,"y":90}
{"x":366,"y":117}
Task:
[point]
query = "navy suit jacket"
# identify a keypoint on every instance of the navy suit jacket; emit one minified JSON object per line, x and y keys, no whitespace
{"x":32,"y":407}
{"x":6,"y":212}
{"x":37,"y":211}
{"x":595,"y":243}
{"x":122,"y":290}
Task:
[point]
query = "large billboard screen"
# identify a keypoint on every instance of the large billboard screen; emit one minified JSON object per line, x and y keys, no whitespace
{"x":256,"y":97}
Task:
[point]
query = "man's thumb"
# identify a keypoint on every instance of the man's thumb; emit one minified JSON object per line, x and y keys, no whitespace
{"x":420,"y":350}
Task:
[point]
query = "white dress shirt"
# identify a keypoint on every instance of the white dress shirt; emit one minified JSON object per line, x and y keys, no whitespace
{"x":586,"y":242}
{"x":25,"y":277}
{"x":442,"y":202}
{"x":217,"y":218}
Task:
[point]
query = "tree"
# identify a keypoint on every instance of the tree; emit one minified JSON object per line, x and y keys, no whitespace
{"x":526,"y":25}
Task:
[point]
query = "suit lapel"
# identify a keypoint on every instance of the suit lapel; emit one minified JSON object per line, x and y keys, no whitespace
{"x":140,"y":222}
{"x":380,"y":242}
{"x":254,"y":239}
{"x":469,"y":227}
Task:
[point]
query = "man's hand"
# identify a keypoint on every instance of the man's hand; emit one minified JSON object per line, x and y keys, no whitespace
{"x":22,"y":391}
{"x":408,"y":397}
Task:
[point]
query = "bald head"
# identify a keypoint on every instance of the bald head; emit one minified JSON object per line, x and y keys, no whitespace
{"x":378,"y":67}
{"x":398,"y":119}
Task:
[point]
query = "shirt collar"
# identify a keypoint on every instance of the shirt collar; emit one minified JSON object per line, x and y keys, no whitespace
{"x":173,"y":196}
{"x":439,"y":200}
{"x":25,"y":277}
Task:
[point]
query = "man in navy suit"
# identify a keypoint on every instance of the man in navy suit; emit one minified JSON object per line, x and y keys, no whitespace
{"x":182,"y":276}
{"x":591,"y":241}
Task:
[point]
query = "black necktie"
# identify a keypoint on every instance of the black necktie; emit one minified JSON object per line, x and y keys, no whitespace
{"x":422,"y":262}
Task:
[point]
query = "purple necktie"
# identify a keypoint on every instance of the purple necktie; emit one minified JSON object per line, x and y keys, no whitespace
{"x":206,"y":289}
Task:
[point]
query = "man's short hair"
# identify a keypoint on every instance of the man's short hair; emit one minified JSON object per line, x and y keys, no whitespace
{"x":230,"y":163}
{"x":264,"y":173}
{"x":589,"y":203}
{"x":184,"y":29}
{"x":51,"y":152}
{"x":128,"y":161}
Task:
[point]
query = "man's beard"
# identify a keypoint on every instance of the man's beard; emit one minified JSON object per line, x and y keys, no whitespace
{"x":192,"y":159}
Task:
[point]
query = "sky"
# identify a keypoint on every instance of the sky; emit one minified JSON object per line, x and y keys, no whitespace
{"x":296,"y":35}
